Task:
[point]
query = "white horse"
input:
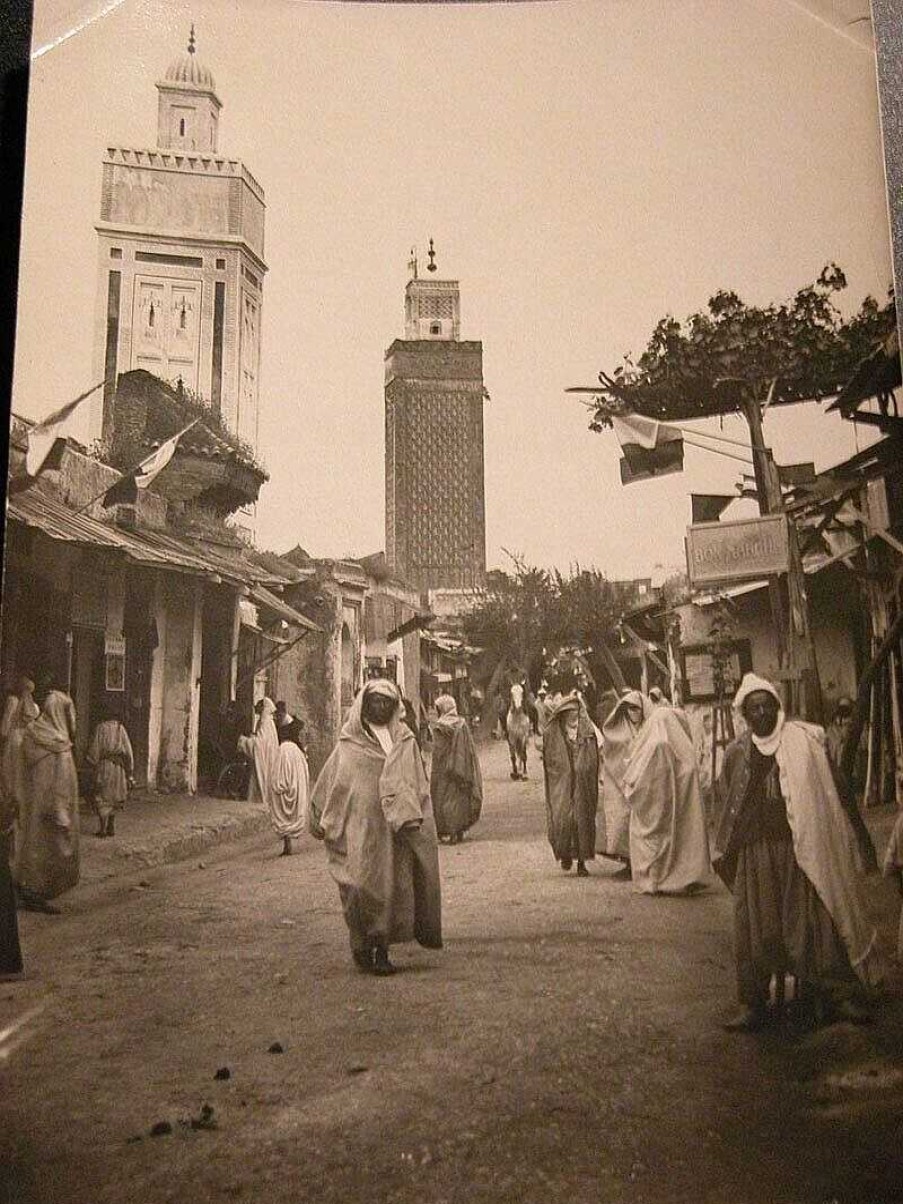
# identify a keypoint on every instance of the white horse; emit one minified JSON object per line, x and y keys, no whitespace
{"x":518,"y":727}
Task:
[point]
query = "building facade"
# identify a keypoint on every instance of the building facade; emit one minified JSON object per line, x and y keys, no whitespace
{"x":435,"y":512}
{"x":180,"y":259}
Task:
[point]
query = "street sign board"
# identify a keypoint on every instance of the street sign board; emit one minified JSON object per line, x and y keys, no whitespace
{"x":720,"y":553}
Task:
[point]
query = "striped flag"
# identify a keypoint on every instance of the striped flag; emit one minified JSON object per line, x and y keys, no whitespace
{"x":651,"y":448}
{"x":42,"y":437}
{"x":126,"y":488}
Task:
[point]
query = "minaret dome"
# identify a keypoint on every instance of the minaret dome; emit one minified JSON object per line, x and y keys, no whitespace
{"x":188,"y":109}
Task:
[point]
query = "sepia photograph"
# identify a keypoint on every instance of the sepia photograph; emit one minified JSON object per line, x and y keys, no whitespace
{"x":451,"y":626}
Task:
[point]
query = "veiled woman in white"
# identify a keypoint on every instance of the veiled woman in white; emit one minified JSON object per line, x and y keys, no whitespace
{"x":47,"y":854}
{"x":262,"y":750}
{"x":669,"y":850}
{"x":290,"y":789}
{"x":19,"y":711}
{"x":619,"y":733}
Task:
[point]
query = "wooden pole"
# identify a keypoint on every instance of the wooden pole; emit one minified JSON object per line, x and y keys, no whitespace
{"x":793,"y":635}
{"x":862,"y":698}
{"x":897,"y":728}
{"x":767,"y":505}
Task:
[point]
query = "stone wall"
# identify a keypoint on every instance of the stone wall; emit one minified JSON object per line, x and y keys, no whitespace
{"x":81,"y":479}
{"x":306,"y":676}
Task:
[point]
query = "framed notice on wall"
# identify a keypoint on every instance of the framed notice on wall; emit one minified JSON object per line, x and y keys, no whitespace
{"x":114,"y":663}
{"x":697,"y":667}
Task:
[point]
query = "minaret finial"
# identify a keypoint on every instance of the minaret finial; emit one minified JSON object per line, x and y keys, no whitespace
{"x":431,"y":266}
{"x":412,"y":263}
{"x":191,"y":39}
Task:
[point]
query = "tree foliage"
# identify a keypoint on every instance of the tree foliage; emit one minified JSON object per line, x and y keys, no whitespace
{"x":798,"y":350}
{"x":526,"y":616}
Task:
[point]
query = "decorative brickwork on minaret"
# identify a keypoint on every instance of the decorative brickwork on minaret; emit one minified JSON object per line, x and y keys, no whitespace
{"x":435,"y":522}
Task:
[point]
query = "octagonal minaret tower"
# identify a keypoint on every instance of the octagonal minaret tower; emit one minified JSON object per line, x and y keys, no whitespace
{"x":180,"y":248}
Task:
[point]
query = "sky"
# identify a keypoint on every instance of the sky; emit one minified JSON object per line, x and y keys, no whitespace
{"x":584,"y":167}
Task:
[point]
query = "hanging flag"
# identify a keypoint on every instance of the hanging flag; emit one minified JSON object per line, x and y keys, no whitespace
{"x":651,"y":448}
{"x":708,"y":507}
{"x":125,"y":490}
{"x":796,"y":474}
{"x":42,"y":437}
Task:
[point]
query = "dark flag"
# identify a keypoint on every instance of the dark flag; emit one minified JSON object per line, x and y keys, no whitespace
{"x":708,"y":507}
{"x":796,"y":474}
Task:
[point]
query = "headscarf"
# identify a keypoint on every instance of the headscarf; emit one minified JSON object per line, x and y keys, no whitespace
{"x":446,"y":705}
{"x":265,"y":734}
{"x":753,"y":684}
{"x":402,"y":782}
{"x":619,"y":733}
{"x":629,"y":698}
{"x":608,"y":700}
{"x":354,"y":728}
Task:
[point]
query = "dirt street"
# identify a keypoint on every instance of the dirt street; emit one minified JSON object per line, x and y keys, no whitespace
{"x":564,"y":1046}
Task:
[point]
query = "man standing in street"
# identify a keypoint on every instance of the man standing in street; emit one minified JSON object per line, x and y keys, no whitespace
{"x":786,"y":849}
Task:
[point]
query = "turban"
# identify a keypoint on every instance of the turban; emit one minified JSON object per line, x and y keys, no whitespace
{"x":752,"y":684}
{"x":749,"y":685}
{"x":382,"y":685}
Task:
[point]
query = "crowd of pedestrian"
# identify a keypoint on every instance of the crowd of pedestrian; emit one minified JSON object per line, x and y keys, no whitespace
{"x":781,"y":831}
{"x":786,"y":839}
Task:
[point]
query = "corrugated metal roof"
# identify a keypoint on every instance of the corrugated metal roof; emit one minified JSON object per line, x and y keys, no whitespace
{"x":265,"y":598}
{"x":38,"y":509}
{"x":158,"y":549}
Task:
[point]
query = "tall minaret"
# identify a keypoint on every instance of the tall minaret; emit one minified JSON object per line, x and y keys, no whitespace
{"x":435,"y":515}
{"x":181,"y":268}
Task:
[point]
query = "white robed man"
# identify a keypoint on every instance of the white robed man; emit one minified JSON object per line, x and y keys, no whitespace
{"x":111,"y":757}
{"x":787,"y":849}
{"x":669,"y":848}
{"x":371,"y":806}
{"x":619,"y":733}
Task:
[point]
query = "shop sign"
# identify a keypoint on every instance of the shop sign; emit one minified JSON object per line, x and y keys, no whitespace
{"x":721,"y":553}
{"x":114,"y":662}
